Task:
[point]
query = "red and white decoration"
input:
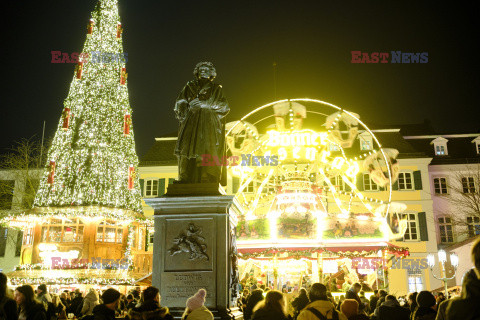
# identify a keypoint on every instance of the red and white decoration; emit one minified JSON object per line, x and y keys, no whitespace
{"x":66,"y":118}
{"x":127,"y":122}
{"x":119,"y":30}
{"x":51,"y":175}
{"x":91,"y":23}
{"x":79,"y":70}
{"x":131,"y":177}
{"x":123,"y":76}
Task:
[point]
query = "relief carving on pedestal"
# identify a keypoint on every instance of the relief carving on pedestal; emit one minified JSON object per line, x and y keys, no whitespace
{"x":233,"y":264}
{"x":190,"y":241}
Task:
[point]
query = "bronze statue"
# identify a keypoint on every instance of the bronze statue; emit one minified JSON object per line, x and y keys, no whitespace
{"x":201,"y":108}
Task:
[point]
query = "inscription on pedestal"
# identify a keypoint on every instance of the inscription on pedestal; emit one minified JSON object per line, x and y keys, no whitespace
{"x":179,"y":286}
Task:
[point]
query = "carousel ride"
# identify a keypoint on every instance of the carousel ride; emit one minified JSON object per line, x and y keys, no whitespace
{"x":305,"y":170}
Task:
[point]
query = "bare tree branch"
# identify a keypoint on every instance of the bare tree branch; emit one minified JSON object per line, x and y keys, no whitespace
{"x":463,"y":197}
{"x":20,"y":169}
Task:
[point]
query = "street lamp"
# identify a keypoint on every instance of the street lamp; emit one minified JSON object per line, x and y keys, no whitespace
{"x":442,"y":258}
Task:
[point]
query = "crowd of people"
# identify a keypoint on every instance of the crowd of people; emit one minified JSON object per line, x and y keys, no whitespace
{"x":26,"y":303}
{"x":263,"y":303}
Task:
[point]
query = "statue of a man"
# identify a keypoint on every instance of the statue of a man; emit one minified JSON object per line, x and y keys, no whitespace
{"x":201,"y":108}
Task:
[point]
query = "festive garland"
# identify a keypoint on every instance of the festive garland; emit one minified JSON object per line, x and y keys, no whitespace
{"x":84,"y":266}
{"x":299,"y":254}
{"x":41,"y":213}
{"x":17,"y":281}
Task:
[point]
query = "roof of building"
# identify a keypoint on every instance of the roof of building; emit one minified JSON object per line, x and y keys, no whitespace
{"x":460,"y":148}
{"x":412,"y":141}
{"x":395,"y":140}
{"x":161,"y":153}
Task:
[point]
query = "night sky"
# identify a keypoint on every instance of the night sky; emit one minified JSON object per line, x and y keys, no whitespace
{"x":311,"y":42}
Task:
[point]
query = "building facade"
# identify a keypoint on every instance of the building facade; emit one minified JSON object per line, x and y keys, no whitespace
{"x":158,"y":169}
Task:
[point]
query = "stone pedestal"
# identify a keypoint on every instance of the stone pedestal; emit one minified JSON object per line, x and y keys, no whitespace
{"x":194,"y":247}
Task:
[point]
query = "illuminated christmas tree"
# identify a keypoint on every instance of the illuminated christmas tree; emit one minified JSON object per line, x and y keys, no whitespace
{"x":91,"y":166}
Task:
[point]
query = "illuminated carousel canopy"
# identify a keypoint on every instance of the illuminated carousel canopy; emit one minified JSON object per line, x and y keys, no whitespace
{"x":300,"y":180}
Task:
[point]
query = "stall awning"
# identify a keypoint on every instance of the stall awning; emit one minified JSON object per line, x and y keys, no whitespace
{"x":74,"y":276}
{"x":340,"y":250}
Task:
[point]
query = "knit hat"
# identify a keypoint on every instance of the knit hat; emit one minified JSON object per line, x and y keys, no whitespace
{"x":110,"y":295}
{"x":349,"y":307}
{"x":197,"y":300}
{"x":425,"y":299}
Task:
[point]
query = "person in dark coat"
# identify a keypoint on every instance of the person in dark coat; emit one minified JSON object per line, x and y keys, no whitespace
{"x":29,"y":308}
{"x":106,"y":310}
{"x":391,"y":310}
{"x":467,"y":307}
{"x":8,"y":306}
{"x":65,"y":298}
{"x":412,"y":302}
{"x":426,"y":304}
{"x":150,"y":307}
{"x":442,"y":310}
{"x":353,"y":294}
{"x":255,"y":297}
{"x":272,"y":308}
{"x":373,"y":300}
{"x":300,"y":302}
{"x":76,"y":304}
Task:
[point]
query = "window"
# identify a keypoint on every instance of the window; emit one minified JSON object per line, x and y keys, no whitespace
{"x":334,"y":147}
{"x":365,"y":144}
{"x":440,"y":146}
{"x":440,"y":185}
{"x":468,"y":184}
{"x":405,"y":181}
{"x":269,"y":187}
{"x":477,"y":147}
{"x":446,"y":229}
{"x":151,"y":235}
{"x":338,"y":183}
{"x":18,"y":244}
{"x":368,"y":184}
{"x":473,"y":224}
{"x":6,"y":194}
{"x":108,"y":231}
{"x":440,"y":150}
{"x":366,"y":141}
{"x":151,"y":188}
{"x":250,"y":187}
{"x":412,"y":227}
{"x":62,"y":230}
{"x":3,"y":240}
{"x":28,"y":236}
{"x":141,"y":239}
{"x":415,"y":281}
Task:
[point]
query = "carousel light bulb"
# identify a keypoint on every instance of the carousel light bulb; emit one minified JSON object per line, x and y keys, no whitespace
{"x":430,"y":260}
{"x":442,"y":256}
{"x":454,"y":260}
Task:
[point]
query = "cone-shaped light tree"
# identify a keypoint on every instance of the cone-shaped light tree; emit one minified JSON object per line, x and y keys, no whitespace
{"x":92,"y":163}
